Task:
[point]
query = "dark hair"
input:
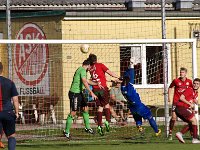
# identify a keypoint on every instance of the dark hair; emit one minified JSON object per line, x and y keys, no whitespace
{"x":1,"y":67}
{"x":196,"y":79}
{"x":86,"y":62}
{"x":92,"y":58}
{"x":183,"y":69}
{"x":125,"y":81}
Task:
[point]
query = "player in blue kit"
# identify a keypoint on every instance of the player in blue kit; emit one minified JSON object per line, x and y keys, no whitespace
{"x":131,"y":73}
{"x":137,"y":108}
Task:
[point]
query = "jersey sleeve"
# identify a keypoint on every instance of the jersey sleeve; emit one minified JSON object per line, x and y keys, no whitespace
{"x":104,"y":68}
{"x":172,"y":84}
{"x":13,"y":90}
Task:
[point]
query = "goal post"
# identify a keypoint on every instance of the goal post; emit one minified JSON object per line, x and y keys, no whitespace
{"x":148,"y":54}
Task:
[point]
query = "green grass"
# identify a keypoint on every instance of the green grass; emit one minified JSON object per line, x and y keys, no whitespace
{"x":102,"y":146}
{"x":123,"y":138}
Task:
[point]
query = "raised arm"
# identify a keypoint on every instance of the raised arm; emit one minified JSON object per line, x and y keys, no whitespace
{"x":112,"y":74}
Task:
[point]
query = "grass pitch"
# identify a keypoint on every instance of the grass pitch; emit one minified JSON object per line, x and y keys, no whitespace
{"x":123,"y":138}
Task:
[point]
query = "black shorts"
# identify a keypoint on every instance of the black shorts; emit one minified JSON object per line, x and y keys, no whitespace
{"x":77,"y":101}
{"x":7,"y":118}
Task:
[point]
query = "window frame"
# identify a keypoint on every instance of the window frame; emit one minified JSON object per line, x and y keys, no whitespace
{"x":144,"y":84}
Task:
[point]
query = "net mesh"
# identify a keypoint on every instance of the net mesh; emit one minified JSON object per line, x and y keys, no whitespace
{"x":43,"y":75}
{"x":43,"y":72}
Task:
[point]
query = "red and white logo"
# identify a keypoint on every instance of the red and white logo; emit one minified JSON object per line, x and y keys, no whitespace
{"x":31,"y":60}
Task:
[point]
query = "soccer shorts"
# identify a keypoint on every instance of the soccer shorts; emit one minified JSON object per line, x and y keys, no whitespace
{"x":7,"y":118}
{"x":184,"y":113}
{"x":141,"y":110}
{"x":103,"y":96}
{"x":77,"y":101}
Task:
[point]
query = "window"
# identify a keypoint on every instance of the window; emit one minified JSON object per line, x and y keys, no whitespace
{"x":148,"y":66}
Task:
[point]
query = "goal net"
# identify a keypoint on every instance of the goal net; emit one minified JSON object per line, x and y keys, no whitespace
{"x":43,"y":71}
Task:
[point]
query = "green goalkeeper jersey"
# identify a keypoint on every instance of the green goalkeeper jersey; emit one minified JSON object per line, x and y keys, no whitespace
{"x":77,"y":85}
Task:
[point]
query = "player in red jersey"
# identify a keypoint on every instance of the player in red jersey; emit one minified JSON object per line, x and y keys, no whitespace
{"x":184,"y":110}
{"x":98,"y":71}
{"x":180,"y":85}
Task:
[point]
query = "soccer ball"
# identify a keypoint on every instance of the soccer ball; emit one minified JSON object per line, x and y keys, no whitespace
{"x":85,"y":48}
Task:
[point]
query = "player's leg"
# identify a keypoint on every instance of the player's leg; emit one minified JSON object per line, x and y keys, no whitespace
{"x":99,"y":112}
{"x":137,"y":118}
{"x":69,"y":120}
{"x":105,"y":103}
{"x":86,"y":119}
{"x":74,"y":105}
{"x":1,"y":134}
{"x":100,"y":107}
{"x":145,"y":112}
{"x":138,"y":121}
{"x":8,"y":123}
{"x":107,"y":115}
{"x":194,"y":130}
{"x":85,"y":114}
{"x":187,"y":116}
{"x":172,"y":122}
{"x":99,"y":120}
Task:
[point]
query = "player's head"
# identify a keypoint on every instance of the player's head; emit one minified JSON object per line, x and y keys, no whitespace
{"x":86,"y":64}
{"x":183,"y":72}
{"x":196,"y":83}
{"x":124,"y":84}
{"x":125,"y":81}
{"x":92,"y":58}
{"x":1,"y":67}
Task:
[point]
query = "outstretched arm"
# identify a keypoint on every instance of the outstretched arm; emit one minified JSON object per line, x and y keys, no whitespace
{"x":112,"y":74}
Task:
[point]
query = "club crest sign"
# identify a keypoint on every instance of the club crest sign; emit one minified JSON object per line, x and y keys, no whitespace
{"x":31,"y":62}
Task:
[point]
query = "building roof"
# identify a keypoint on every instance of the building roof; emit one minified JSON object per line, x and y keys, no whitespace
{"x":86,"y":4}
{"x":75,"y":2}
{"x":61,"y":2}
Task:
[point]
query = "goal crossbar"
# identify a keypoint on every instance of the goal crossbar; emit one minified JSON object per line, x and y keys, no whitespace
{"x":105,"y":41}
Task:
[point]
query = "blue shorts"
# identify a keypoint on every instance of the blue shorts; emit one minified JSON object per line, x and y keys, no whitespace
{"x":7,"y":118}
{"x":142,"y":111}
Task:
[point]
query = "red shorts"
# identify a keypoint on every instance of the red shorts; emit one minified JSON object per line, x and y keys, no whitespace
{"x":184,"y":113}
{"x":103,"y":96}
